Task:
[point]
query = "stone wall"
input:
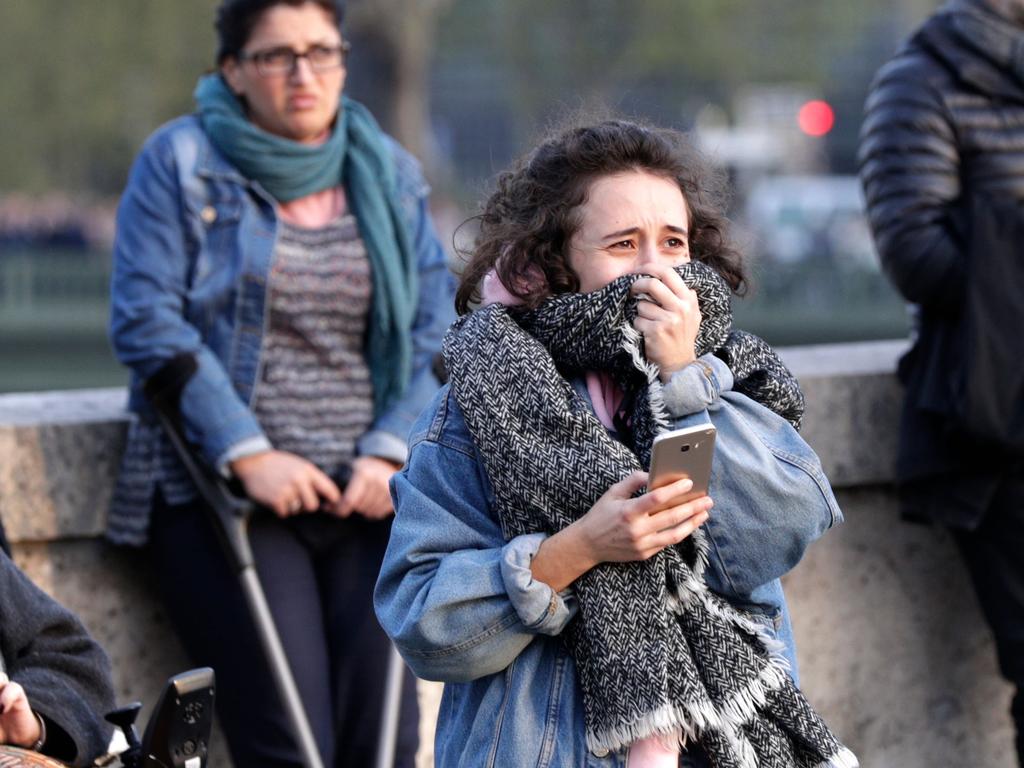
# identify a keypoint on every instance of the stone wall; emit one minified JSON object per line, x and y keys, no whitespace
{"x":891,"y":642}
{"x":892,"y":647}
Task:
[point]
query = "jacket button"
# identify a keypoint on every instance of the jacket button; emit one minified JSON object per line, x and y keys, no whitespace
{"x":600,"y":752}
{"x":208,"y":214}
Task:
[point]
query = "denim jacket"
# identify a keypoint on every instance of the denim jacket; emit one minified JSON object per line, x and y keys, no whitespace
{"x":462,"y":606}
{"x":192,"y":255}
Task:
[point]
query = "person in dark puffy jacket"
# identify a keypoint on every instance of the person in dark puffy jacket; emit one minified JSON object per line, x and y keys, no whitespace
{"x":55,"y":682}
{"x":942,"y":153}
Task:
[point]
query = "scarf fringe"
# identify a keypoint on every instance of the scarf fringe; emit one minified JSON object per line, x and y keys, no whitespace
{"x":684,"y":725}
{"x":700,"y":564}
{"x":631,"y":344}
{"x":689,"y":720}
{"x":744,"y":705}
{"x":695,"y":589}
{"x":694,"y":718}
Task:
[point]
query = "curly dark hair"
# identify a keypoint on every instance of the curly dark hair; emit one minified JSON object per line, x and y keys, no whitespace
{"x":236,"y":20}
{"x":529,"y":220}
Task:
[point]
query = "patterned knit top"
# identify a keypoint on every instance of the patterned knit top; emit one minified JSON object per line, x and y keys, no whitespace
{"x":314,"y":396}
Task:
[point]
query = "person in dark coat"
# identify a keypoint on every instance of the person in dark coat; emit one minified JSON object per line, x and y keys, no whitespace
{"x":942,"y":165}
{"x":55,"y":682}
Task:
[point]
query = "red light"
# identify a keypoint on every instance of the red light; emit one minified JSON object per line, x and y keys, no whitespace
{"x":816,"y":118}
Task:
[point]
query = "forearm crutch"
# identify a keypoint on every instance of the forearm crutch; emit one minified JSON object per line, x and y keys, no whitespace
{"x":230,"y":517}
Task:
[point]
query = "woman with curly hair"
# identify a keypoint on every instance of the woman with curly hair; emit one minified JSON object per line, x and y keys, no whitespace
{"x":575,"y":620}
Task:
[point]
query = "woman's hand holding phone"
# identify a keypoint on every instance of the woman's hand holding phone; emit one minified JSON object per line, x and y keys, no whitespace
{"x":620,"y":528}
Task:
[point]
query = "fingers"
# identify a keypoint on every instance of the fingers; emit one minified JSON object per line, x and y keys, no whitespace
{"x":325,"y":488}
{"x":625,"y":488}
{"x":305,"y":489}
{"x":670,"y":526}
{"x":655,"y":274}
{"x":654,"y":323}
{"x":674,"y":516}
{"x":18,"y":726}
{"x":660,"y":292}
{"x":623,"y":528}
{"x":309,"y":499}
{"x":665,"y":303}
{"x":11,"y":695}
{"x":694,"y":517}
{"x":353,"y":496}
{"x":377,"y":503}
{"x":662,"y":498}
{"x":290,"y":484}
{"x":356,"y":491}
{"x":669,"y":324}
{"x":367,"y":492}
{"x":651,"y":533}
{"x":288,"y":501}
{"x":379,"y":507}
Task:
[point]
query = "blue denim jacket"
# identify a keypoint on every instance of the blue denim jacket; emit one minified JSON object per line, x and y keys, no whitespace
{"x":462,"y":606}
{"x":192,"y":254}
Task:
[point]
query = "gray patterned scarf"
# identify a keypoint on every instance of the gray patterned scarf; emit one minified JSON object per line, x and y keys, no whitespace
{"x":703,"y":668}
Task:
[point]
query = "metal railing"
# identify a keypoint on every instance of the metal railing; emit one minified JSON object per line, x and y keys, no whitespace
{"x":30,"y":278}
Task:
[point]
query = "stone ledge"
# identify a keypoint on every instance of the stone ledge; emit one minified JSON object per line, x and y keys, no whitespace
{"x":853,"y":407}
{"x":893,"y":650}
{"x":61,"y":449}
{"x":67,"y":407}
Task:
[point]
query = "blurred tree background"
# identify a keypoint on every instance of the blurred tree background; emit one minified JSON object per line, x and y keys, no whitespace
{"x":86,"y":82}
{"x":465,"y":84}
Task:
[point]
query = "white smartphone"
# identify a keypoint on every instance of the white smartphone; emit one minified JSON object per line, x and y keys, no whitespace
{"x":683,"y":453}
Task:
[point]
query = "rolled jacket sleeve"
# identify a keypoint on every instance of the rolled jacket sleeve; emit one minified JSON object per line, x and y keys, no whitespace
{"x":453,"y":594}
{"x":697,"y":386}
{"x":540,"y":608}
{"x":383,"y":445}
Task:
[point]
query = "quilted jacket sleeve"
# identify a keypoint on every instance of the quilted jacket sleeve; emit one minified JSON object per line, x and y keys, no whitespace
{"x":910,"y":170}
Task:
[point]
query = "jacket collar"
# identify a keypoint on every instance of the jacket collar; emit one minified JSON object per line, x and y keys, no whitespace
{"x":212,"y":164}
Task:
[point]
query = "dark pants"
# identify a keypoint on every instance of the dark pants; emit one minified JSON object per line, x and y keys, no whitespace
{"x":318,"y":573}
{"x":994,"y":553}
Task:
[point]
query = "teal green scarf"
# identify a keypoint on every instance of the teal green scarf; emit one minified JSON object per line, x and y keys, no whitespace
{"x":357,"y":156}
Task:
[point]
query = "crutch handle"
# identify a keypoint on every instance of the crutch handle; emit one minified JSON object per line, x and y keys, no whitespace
{"x":231,"y":514}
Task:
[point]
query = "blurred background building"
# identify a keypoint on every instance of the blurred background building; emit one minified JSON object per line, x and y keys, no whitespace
{"x":771,"y":89}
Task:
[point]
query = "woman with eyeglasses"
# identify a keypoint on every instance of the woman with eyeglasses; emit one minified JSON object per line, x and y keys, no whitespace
{"x":282,"y":242}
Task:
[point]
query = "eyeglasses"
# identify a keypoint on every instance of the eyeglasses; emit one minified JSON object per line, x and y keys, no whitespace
{"x":283,"y":61}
